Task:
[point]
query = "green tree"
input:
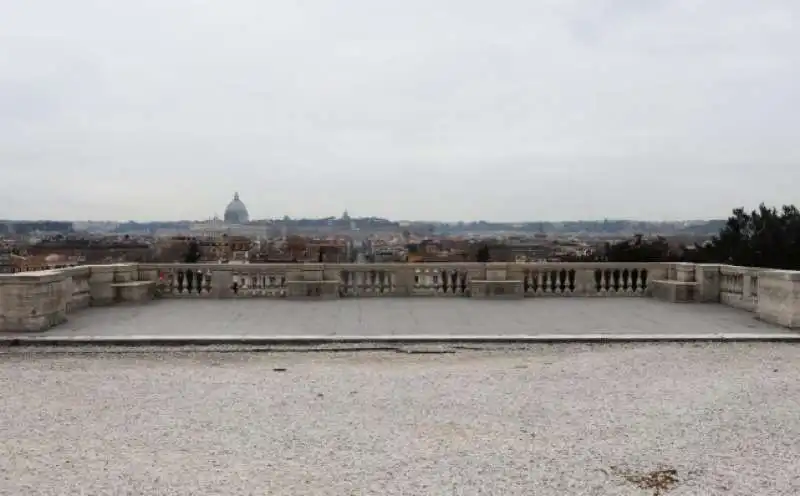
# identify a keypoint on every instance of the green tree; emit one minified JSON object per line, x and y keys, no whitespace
{"x":483,"y":254}
{"x":766,"y":237}
{"x":192,"y":252}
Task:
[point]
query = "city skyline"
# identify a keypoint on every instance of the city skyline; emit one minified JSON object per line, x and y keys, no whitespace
{"x":527,"y":110}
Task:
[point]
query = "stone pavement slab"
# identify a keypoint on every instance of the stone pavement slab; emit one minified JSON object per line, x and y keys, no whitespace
{"x":415,"y":318}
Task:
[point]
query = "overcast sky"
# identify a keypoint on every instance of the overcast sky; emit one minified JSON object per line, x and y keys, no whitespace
{"x":420,"y":109}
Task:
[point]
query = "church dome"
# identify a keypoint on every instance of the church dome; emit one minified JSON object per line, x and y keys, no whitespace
{"x":236,"y":212}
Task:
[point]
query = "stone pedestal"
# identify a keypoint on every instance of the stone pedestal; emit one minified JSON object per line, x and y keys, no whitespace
{"x":507,"y":290}
{"x":403,"y":276}
{"x":708,"y":280}
{"x":779,"y":297}
{"x":101,"y":278}
{"x":310,"y":283}
{"x":221,"y":283}
{"x":34,"y":301}
{"x":674,"y":291}
{"x":312,"y":290}
{"x":496,"y":286}
{"x":684,"y":272}
{"x":134,"y":291}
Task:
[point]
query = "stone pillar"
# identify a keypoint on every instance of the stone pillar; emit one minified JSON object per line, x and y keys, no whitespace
{"x":515,"y":272}
{"x":148,"y":273}
{"x":126,"y":272}
{"x":658,"y":271}
{"x":100,"y":279}
{"x":684,"y":272}
{"x":34,"y":301}
{"x":221,"y":282}
{"x":708,"y":281}
{"x":496,"y":272}
{"x":584,"y":281}
{"x":779,"y":297}
{"x":476,"y":272}
{"x":403,"y":279}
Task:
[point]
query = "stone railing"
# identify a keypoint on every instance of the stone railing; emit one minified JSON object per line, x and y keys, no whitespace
{"x":40,"y":300}
{"x":738,"y":286}
{"x":362,"y":280}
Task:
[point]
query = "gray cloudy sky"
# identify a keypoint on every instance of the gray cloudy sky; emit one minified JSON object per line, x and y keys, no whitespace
{"x":447,"y":109}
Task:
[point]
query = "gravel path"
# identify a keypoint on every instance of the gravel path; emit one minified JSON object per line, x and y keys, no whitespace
{"x":542,"y":420}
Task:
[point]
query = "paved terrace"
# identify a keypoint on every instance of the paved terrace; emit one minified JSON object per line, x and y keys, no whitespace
{"x":541,"y":420}
{"x":414,"y":317}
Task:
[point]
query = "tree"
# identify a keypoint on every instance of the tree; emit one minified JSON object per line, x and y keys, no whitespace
{"x":764,"y":237}
{"x":639,"y":250}
{"x":483,"y":254}
{"x":192,"y":252}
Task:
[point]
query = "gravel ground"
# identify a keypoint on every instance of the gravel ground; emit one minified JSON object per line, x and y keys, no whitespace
{"x":567,"y":419}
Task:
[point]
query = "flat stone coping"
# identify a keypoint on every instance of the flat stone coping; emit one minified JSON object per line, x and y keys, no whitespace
{"x":180,"y":340}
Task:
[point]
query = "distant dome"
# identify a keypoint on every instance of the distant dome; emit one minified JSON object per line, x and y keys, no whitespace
{"x":236,"y":212}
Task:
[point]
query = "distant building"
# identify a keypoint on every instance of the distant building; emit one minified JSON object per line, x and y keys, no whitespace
{"x":236,"y":212}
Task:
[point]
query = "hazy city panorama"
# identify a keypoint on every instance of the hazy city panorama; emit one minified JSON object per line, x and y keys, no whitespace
{"x":310,"y":247}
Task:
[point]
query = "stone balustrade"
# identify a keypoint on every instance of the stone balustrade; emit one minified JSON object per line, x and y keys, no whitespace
{"x":39,"y":300}
{"x":362,"y":280}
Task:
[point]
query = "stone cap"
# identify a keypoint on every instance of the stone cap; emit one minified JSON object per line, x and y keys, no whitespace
{"x":115,"y":267}
{"x":34,"y":277}
{"x":780,"y":275}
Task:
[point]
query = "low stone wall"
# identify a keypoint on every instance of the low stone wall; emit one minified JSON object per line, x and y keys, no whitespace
{"x":779,"y":297}
{"x":36,"y":301}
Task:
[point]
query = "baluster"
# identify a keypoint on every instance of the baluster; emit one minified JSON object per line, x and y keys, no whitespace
{"x":571,"y":281}
{"x":634,"y":275}
{"x":367,"y":284}
{"x":643,"y":274}
{"x":198,"y":281}
{"x":616,"y":275}
{"x":541,"y":281}
{"x":553,"y":282}
{"x":373,"y":277}
{"x":381,"y":283}
{"x":626,"y":287}
{"x":606,"y":284}
{"x":445,"y":278}
{"x":235,"y":283}
{"x":562,"y":281}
